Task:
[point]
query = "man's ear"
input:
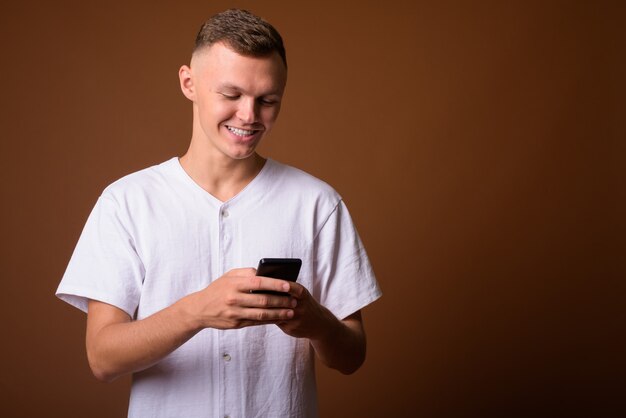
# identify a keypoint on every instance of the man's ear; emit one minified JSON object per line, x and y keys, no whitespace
{"x":186,"y":82}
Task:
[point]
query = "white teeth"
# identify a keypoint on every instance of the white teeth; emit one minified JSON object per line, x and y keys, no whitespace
{"x":240,"y":132}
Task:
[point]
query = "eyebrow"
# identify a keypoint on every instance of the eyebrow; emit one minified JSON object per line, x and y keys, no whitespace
{"x":228,"y":87}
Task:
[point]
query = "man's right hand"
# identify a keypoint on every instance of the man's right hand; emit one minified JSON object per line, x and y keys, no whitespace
{"x":117,"y":345}
{"x":228,"y":303}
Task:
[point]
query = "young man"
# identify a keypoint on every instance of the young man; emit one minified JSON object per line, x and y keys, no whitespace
{"x":164,"y":264}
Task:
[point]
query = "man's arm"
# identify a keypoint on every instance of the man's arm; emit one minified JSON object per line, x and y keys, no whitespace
{"x":342,"y":346}
{"x":339,"y":344}
{"x":117,"y":345}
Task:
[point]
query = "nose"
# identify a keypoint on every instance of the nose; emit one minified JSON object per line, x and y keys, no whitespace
{"x":247,"y":110}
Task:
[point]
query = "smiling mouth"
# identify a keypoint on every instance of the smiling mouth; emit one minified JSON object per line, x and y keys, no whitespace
{"x":241,"y":132}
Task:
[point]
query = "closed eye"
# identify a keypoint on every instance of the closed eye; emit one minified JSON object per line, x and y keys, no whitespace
{"x":268,"y":102}
{"x":230,"y":96}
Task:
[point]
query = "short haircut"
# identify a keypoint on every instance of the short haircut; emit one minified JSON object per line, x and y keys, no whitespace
{"x":243,"y":32}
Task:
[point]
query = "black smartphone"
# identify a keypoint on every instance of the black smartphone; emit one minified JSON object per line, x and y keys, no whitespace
{"x":278,"y":268}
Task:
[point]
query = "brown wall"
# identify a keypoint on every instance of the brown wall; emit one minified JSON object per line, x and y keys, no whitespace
{"x":479,"y":145}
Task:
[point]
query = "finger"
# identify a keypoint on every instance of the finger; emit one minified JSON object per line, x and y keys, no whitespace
{"x":270,"y":316}
{"x":269,"y":301}
{"x":260,"y":283}
{"x":296,"y":290}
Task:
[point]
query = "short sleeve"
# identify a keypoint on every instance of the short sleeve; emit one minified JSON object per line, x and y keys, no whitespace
{"x":105,"y":265}
{"x":345,"y":279}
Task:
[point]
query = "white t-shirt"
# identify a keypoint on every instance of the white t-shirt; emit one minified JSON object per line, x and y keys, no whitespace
{"x":155,"y":236}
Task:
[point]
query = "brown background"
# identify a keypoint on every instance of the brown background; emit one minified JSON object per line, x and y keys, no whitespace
{"x":479,"y":146}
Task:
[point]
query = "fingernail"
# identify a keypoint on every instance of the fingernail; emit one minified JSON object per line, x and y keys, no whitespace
{"x":294,"y":303}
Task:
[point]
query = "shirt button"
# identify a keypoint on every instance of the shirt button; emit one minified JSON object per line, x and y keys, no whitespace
{"x":225,"y":214}
{"x":226,"y":357}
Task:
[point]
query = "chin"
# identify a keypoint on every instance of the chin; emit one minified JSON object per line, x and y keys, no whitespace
{"x":242,"y":155}
{"x":242,"y":152}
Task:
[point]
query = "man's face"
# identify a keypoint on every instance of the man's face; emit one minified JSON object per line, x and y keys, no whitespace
{"x":236,"y":99}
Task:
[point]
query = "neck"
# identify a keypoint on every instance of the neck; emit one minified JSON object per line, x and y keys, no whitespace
{"x":221,"y":176}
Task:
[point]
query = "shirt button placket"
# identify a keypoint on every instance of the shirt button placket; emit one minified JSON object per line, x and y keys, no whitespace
{"x":225,"y":233}
{"x":226,"y":262}
{"x":223,"y":215}
{"x":226,"y":359}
